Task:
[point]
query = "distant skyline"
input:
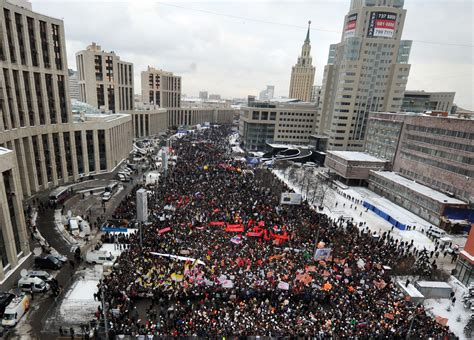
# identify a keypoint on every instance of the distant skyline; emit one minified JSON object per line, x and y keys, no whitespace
{"x":236,"y":48}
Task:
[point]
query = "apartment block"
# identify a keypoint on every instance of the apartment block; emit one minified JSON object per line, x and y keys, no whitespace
{"x":44,"y":140}
{"x":273,"y":122}
{"x":161,"y":88}
{"x":105,"y":81}
{"x":367,"y":71}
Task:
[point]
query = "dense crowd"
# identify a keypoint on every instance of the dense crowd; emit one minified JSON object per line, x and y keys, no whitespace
{"x":222,"y":257}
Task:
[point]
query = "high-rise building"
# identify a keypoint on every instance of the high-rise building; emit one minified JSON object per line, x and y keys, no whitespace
{"x":45,"y":141}
{"x":268,"y":93}
{"x":302,"y":74}
{"x":215,"y":97}
{"x":421,"y":101}
{"x":316,"y":94}
{"x":276,"y":122}
{"x":105,"y":81}
{"x":203,"y":95}
{"x":73,"y":85}
{"x":161,"y":88}
{"x":367,"y":71}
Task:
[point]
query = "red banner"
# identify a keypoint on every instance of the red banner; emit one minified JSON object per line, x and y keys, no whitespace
{"x":216,"y":223}
{"x":238,"y":229}
{"x":255,"y":234}
{"x":164,"y":230}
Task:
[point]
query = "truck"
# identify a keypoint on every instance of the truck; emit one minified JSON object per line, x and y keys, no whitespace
{"x":15,"y":310}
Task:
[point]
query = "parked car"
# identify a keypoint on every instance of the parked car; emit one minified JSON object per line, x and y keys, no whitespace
{"x":60,"y":257}
{"x":99,"y":256}
{"x":33,"y":284}
{"x":5,"y":299}
{"x":41,"y":274}
{"x":15,"y":310}
{"x":106,"y":196}
{"x":48,"y":262}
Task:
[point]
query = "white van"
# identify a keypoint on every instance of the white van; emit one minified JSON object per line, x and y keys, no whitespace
{"x":99,"y":256}
{"x":15,"y":310}
{"x":41,"y":274}
{"x":33,"y":284}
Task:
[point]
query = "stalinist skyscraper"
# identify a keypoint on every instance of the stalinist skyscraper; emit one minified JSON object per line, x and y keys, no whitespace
{"x":302,"y":74}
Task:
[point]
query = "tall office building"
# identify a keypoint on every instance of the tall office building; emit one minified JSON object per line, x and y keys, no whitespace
{"x":302,"y":74}
{"x":203,"y":95}
{"x":44,"y":141}
{"x":73,"y":85}
{"x":105,"y":81}
{"x":161,"y":88}
{"x":367,"y":71}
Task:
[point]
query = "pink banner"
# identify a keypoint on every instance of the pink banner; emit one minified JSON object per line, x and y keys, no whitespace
{"x":164,"y":230}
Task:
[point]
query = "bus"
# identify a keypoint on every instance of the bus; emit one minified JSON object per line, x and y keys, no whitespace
{"x":59,"y":195}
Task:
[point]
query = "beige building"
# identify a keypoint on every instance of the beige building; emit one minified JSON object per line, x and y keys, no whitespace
{"x":149,"y":120}
{"x":367,"y":71}
{"x":421,"y":101}
{"x":161,"y":88}
{"x":44,"y":141}
{"x":276,"y":122}
{"x":191,"y":116}
{"x":302,"y":74}
{"x":104,"y":80}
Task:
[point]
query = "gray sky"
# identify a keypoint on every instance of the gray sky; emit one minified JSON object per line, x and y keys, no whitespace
{"x":216,"y":45}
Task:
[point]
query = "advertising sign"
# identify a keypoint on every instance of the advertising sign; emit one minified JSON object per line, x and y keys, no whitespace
{"x":381,"y":24}
{"x":349,"y":29}
{"x":290,"y":198}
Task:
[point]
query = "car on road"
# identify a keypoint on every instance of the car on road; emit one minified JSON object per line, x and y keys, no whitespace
{"x":106,"y":196}
{"x":33,"y":284}
{"x":15,"y":310}
{"x":48,"y":262}
{"x":41,"y":274}
{"x":5,"y":299}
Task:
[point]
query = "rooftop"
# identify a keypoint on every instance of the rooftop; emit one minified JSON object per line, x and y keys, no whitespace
{"x":420,"y":188}
{"x":356,"y":156}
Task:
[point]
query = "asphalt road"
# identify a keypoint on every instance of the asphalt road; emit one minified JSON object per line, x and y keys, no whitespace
{"x":32,"y":325}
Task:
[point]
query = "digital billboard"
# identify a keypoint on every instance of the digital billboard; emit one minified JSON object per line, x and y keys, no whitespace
{"x":382,"y":24}
{"x":349,"y":29}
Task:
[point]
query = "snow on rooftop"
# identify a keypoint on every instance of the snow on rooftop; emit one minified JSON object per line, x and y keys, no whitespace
{"x":422,"y":189}
{"x":356,"y":156}
{"x":433,"y":284}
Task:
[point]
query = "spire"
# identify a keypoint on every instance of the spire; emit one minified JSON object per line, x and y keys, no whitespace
{"x":307,"y":34}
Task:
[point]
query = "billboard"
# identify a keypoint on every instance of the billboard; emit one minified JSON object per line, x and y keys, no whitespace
{"x":290,"y":198}
{"x":350,"y":28}
{"x":381,"y":24}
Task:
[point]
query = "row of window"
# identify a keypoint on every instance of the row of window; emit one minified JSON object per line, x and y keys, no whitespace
{"x":440,"y":131}
{"x":437,"y":164}
{"x":439,"y":153}
{"x":443,"y":143}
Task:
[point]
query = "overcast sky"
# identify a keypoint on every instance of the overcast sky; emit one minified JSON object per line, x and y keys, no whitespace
{"x":235,"y":48}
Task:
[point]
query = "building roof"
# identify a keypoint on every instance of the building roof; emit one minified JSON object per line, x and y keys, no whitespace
{"x":420,"y":188}
{"x":356,"y":156}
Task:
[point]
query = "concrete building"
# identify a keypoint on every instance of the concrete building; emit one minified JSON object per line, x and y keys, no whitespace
{"x":189,"y":116}
{"x":203,"y":95}
{"x":302,"y":74}
{"x":161,"y":88}
{"x":367,"y":71}
{"x":192,"y":102}
{"x":316,"y":94}
{"x":73,"y":84}
{"x":421,"y":101}
{"x":353,"y":167}
{"x":105,"y":81}
{"x":45,"y":142}
{"x":149,"y":120}
{"x":421,"y":200}
{"x":268,"y":93}
{"x":276,"y":122}
{"x":215,"y":97}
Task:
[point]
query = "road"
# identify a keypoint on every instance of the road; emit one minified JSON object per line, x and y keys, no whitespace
{"x":33,"y":325}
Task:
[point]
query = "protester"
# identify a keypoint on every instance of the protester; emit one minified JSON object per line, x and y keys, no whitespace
{"x":247,"y":266}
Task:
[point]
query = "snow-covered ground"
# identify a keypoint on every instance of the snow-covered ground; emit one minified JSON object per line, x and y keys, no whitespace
{"x":439,"y":307}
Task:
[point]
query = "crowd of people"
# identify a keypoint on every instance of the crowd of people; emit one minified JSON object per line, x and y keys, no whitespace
{"x":220,"y":256}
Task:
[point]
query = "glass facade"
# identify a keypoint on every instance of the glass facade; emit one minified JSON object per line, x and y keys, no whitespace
{"x":464,"y":271}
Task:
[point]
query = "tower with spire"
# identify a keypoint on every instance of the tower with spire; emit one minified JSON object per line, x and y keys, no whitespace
{"x":302,"y":74}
